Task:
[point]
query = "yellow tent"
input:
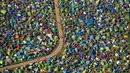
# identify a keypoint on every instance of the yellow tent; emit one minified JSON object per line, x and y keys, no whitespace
{"x":49,"y":35}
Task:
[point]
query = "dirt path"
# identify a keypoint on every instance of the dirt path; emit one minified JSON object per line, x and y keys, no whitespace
{"x":55,"y":52}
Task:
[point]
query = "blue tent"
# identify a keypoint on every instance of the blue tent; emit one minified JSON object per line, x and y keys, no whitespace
{"x":1,"y":54}
{"x":78,"y":72}
{"x":64,"y":71}
{"x":48,"y":59}
{"x":73,"y":6}
{"x":92,"y":52}
{"x":85,"y":6}
{"x":61,"y":5}
{"x":89,"y":20}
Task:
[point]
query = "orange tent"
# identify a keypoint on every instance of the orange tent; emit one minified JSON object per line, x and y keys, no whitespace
{"x":126,"y":36}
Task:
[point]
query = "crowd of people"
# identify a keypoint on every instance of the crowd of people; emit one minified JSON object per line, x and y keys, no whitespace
{"x":96,"y":39}
{"x":27,"y":30}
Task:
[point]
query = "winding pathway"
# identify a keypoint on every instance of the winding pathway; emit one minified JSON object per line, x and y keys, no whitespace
{"x":55,"y":52}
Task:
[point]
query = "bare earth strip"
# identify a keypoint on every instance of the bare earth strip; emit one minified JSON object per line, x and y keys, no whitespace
{"x":55,"y":52}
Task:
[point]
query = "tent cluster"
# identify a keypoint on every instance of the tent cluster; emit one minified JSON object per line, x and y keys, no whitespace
{"x":27,"y":30}
{"x":96,"y":39}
